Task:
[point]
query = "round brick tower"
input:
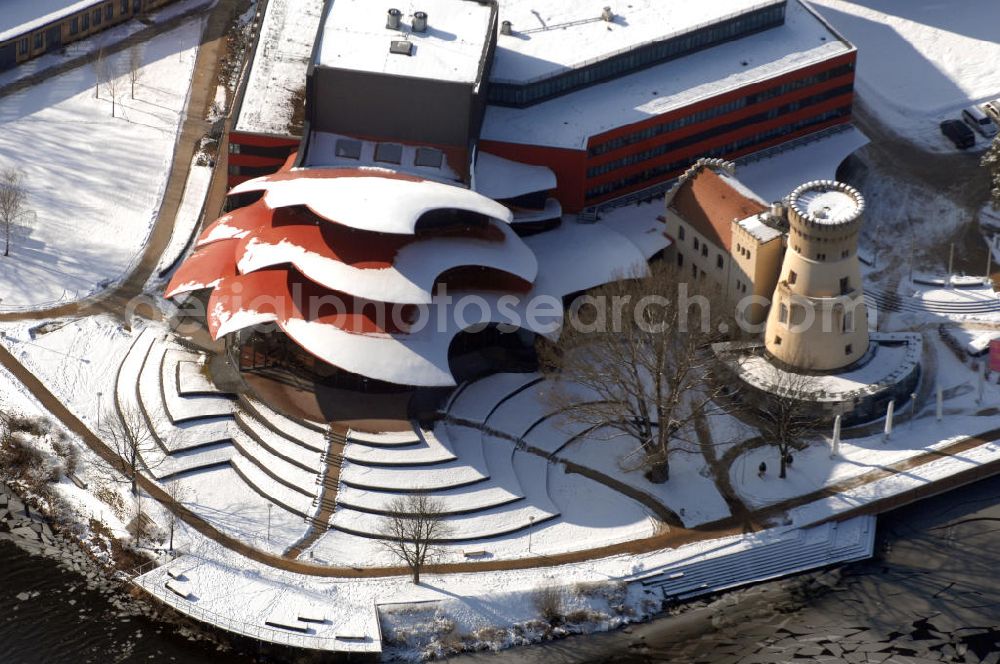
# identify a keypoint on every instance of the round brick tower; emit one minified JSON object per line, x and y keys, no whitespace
{"x":818,"y":320}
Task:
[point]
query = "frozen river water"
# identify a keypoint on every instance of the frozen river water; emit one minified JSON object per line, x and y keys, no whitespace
{"x":931,"y":594}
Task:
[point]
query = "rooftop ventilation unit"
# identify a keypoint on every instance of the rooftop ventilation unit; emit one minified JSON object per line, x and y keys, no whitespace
{"x":401,"y":47}
{"x":420,"y":22}
{"x":607,"y":15}
{"x":506,"y":28}
{"x":394,"y":19}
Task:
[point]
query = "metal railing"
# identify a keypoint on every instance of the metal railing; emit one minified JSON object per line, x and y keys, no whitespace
{"x":264,"y":632}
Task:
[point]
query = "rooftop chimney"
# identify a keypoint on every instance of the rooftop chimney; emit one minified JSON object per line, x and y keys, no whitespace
{"x":420,"y":22}
{"x":395,"y":16}
{"x":608,"y":15}
{"x":506,"y":28}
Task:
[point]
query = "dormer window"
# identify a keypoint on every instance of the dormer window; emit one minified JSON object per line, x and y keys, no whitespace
{"x":348,"y":149}
{"x":389,"y":153}
{"x":429,"y":157}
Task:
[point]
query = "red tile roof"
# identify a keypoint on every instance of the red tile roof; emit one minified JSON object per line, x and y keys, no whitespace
{"x":710,"y":203}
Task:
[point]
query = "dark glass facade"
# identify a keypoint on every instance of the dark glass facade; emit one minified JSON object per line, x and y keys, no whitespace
{"x":647,"y":55}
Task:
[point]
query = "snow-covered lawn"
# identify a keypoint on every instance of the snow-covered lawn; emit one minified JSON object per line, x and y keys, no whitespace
{"x":94,"y":182}
{"x":690,"y":492}
{"x":920,"y":61}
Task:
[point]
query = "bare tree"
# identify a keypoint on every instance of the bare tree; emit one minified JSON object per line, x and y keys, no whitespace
{"x":176,"y":494}
{"x":785,"y":418}
{"x":413,"y":529}
{"x":100,"y":65}
{"x":125,"y":431}
{"x":109,"y":80}
{"x":12,"y":200}
{"x":635,"y":360}
{"x":135,"y":70}
{"x":991,"y":162}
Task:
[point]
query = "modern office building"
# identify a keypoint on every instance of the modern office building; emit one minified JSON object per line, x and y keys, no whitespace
{"x":614,"y":100}
{"x":420,"y":148}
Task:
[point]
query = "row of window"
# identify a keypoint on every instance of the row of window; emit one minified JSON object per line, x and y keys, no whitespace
{"x":796,"y":315}
{"x":743,"y":251}
{"x":274,"y":152}
{"x":655,"y":172}
{"x":511,"y":94}
{"x":722,"y":109}
{"x":718,"y":130}
{"x":389,"y":153}
{"x":820,"y":256}
{"x":80,"y":23}
{"x":848,"y":349}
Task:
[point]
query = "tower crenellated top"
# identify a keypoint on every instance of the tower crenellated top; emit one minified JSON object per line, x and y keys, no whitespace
{"x":825,"y":205}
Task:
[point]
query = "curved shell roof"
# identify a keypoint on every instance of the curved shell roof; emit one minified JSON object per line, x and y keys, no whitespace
{"x":371,"y":199}
{"x":407,"y":275}
{"x":501,"y":178}
{"x":399,"y":344}
{"x":360,"y":295}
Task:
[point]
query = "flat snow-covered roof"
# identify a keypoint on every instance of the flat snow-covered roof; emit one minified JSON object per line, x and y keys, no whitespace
{"x":552,"y":36}
{"x":452,"y":47}
{"x":20,"y":16}
{"x":570,"y":120}
{"x":278,"y":70}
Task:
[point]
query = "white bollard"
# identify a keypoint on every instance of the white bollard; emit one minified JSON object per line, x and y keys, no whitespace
{"x":888,"y":420}
{"x":940,"y":403}
{"x":836,"y":437}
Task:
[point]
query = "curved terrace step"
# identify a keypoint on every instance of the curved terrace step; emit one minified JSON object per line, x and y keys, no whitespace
{"x":189,"y":369}
{"x":383,"y":439}
{"x":280,"y":470}
{"x":408,"y":478}
{"x":280,"y":445}
{"x":305,"y":434}
{"x":461,"y":500}
{"x":533,"y":473}
{"x":271,"y":490}
{"x":182,"y":408}
{"x":552,"y":433}
{"x":430,"y":450}
{"x":488,"y":524}
{"x":173,"y":437}
{"x":127,"y":380}
{"x":477,"y":402}
{"x":169,"y":466}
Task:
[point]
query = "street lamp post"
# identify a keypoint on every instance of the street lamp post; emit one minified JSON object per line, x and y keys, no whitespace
{"x":269,"y":506}
{"x":531,"y":523}
{"x":99,"y":394}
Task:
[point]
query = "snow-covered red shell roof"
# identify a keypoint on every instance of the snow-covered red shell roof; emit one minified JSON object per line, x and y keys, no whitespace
{"x":371,"y":199}
{"x":236,"y":224}
{"x":388,"y":268}
{"x":284,"y":294}
{"x":419,"y":357}
{"x":204,"y":268}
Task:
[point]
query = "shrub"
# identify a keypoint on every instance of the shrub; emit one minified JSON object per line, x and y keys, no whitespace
{"x":18,"y":458}
{"x":69,"y":453}
{"x":582,"y":616}
{"x":35,"y":426}
{"x":549,"y":602}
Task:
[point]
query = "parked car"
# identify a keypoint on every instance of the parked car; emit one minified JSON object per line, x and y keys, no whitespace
{"x":978,"y":120}
{"x":992,"y":109}
{"x":958,"y":133}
